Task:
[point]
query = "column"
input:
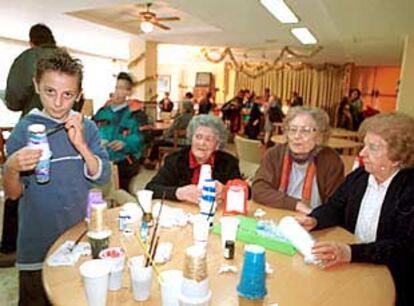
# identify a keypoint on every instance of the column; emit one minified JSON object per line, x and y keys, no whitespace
{"x":405,"y":100}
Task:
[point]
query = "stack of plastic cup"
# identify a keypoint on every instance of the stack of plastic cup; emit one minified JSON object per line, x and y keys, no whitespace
{"x":94,"y":196}
{"x":116,"y":259}
{"x":252,"y":284}
{"x":170,"y":287}
{"x":201,"y":227}
{"x":95,"y":274}
{"x":299,"y":237}
{"x":205,"y":174}
{"x":207,"y":202}
{"x":194,"y":287}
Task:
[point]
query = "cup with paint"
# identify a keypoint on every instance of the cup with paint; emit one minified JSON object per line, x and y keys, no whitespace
{"x":98,"y":241}
{"x":116,"y":258}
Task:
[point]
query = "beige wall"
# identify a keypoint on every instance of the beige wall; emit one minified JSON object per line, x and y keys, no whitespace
{"x":183,"y":77}
{"x":405,"y":100}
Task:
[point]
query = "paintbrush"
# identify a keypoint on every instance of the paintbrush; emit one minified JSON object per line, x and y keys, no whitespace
{"x":154,"y":233}
{"x":155,"y":249}
{"x":78,"y":240}
{"x":55,"y":129}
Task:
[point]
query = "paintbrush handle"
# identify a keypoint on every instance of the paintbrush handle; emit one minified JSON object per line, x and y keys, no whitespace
{"x":78,"y":240}
{"x":55,"y":129}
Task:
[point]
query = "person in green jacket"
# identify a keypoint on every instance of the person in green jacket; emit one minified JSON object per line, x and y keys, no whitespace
{"x":119,"y":131}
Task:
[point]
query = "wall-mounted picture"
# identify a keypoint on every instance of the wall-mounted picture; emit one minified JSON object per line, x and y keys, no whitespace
{"x":164,"y":83}
{"x":203,"y":78}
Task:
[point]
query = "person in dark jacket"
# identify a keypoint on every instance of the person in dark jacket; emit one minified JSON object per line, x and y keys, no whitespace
{"x":376,"y":203}
{"x":20,"y":91}
{"x":179,"y":175}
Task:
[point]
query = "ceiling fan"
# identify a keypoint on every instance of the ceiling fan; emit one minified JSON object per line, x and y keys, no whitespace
{"x":149,"y":19}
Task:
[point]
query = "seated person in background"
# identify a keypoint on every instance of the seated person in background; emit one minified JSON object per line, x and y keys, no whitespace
{"x":343,"y":115}
{"x":78,"y":160}
{"x":206,"y":104}
{"x":166,"y":105}
{"x":144,"y":122}
{"x":301,"y":174}
{"x":252,"y":129}
{"x":296,"y":100}
{"x":356,"y":107}
{"x":376,"y":203}
{"x":179,"y":123}
{"x":179,"y":175}
{"x":119,"y":131}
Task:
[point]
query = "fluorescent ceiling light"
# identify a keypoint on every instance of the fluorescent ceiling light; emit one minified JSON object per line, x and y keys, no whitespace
{"x":280,"y":11}
{"x":147,"y":26}
{"x":304,"y":35}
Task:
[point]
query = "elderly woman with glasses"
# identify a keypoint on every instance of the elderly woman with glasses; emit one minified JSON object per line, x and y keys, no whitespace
{"x":301,"y":174}
{"x":179,"y":175}
{"x":376,"y":203}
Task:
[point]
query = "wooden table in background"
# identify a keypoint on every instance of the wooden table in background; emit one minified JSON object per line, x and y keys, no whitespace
{"x":343,"y":133}
{"x":335,"y":143}
{"x":292,"y":283}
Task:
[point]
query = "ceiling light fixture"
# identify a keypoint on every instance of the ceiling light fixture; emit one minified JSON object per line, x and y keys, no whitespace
{"x":304,"y":36}
{"x":147,"y":27}
{"x":280,"y":10}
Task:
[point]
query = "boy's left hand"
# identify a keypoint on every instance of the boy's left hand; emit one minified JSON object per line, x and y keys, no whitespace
{"x":74,"y":126}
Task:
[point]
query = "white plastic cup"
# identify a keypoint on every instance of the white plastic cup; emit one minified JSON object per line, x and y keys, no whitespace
{"x":200,"y":230}
{"x":299,"y":237}
{"x":229,"y":227}
{"x":141,"y":278}
{"x":116,"y":259}
{"x":193,"y":289}
{"x":95,"y":275}
{"x":188,"y":301}
{"x":170,"y":287}
{"x":145,"y":199}
{"x":205,"y":174}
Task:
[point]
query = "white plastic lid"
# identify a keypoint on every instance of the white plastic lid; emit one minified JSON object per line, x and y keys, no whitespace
{"x":37,"y":128}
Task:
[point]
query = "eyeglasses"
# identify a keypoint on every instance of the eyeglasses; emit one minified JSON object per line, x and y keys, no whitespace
{"x":304,"y":131}
{"x":374,"y":149}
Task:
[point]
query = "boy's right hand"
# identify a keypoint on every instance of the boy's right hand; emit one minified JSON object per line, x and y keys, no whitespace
{"x":24,"y":159}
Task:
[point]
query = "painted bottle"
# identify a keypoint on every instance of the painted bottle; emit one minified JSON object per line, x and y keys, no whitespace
{"x":38,"y":140}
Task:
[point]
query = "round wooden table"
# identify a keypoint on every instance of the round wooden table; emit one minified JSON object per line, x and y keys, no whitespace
{"x":292,"y":283}
{"x":340,"y":144}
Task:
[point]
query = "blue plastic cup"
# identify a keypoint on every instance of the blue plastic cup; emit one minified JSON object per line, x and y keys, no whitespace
{"x":252,"y":284}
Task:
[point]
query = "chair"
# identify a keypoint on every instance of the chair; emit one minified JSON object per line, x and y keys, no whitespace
{"x":249,"y":152}
{"x":164,"y":151}
{"x":348,"y":161}
{"x":111,"y":192}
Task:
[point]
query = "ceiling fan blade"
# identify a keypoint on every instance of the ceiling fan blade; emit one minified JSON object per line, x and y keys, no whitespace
{"x":168,"y":18}
{"x":160,"y":25}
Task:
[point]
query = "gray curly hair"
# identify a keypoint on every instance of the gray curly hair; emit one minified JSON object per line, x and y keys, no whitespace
{"x":212,"y":122}
{"x":320,"y":117}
